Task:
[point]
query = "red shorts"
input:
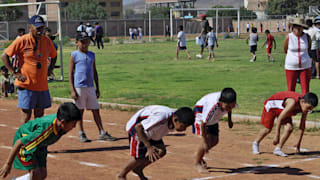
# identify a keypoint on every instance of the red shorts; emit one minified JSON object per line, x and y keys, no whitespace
{"x":269,"y":50}
{"x":267,"y":118}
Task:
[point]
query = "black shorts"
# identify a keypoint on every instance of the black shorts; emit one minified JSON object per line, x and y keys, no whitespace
{"x":314,"y":57}
{"x":182,"y":47}
{"x":213,"y":129}
{"x":253,"y":48}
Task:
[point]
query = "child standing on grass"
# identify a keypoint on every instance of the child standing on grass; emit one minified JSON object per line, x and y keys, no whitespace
{"x":32,"y":139}
{"x":211,"y":40}
{"x":284,"y":105}
{"x":146,"y":129}
{"x":208,"y":111}
{"x":253,"y":38}
{"x":182,"y":43}
{"x":5,"y":81}
{"x":82,"y":74}
{"x":269,"y":42}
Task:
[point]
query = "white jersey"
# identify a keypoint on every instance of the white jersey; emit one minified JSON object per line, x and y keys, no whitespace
{"x":154,"y":120}
{"x":297,"y":57}
{"x":89,"y":30}
{"x":211,"y":38}
{"x":211,"y":110}
{"x":182,"y":39}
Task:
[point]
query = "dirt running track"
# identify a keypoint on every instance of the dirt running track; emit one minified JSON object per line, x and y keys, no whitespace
{"x":231,"y":159}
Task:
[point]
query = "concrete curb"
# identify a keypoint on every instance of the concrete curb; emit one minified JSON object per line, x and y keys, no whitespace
{"x":128,"y":107}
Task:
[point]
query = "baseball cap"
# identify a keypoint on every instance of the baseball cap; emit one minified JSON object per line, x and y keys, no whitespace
{"x":202,"y":15}
{"x":82,"y":36}
{"x":36,"y":21}
{"x":316,"y":20}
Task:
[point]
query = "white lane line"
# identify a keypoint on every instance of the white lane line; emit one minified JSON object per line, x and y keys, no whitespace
{"x":3,"y":109}
{"x":214,"y":177}
{"x":3,"y":125}
{"x":6,"y":147}
{"x":301,"y":149}
{"x":111,"y":124}
{"x":70,"y":136}
{"x":51,"y":156}
{"x":15,"y":128}
{"x":87,"y":121}
{"x":313,"y":176}
{"x":91,"y":164}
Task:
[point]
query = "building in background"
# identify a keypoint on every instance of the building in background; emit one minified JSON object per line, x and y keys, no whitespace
{"x":171,"y":3}
{"x":113,"y":8}
{"x":257,"y":6}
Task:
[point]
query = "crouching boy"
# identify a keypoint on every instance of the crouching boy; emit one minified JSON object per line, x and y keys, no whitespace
{"x":31,"y":140}
{"x":146,"y":129}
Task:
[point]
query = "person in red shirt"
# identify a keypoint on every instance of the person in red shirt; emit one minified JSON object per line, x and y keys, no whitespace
{"x":33,"y":50}
{"x":269,"y":43}
{"x":283,"y":105}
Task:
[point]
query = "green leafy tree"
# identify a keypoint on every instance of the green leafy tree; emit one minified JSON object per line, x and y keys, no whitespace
{"x":129,"y":13}
{"x":279,"y":7}
{"x":10,"y":13}
{"x":86,"y":10}
{"x":243,"y":12}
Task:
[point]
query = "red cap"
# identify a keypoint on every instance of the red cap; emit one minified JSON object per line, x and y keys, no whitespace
{"x":202,"y":15}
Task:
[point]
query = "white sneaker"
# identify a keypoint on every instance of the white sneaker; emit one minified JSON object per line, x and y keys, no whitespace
{"x":255,"y":148}
{"x":252,"y":60}
{"x":199,"y":56}
{"x":277,"y":151}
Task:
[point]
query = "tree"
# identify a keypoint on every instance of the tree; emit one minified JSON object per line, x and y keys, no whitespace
{"x":85,"y":10}
{"x":10,"y":13}
{"x":282,"y":7}
{"x":129,"y":13}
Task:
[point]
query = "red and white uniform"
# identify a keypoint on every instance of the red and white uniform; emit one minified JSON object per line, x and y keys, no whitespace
{"x":208,"y":110}
{"x":298,"y":63}
{"x":297,"y":56}
{"x":274,"y":106}
{"x":154,"y":120}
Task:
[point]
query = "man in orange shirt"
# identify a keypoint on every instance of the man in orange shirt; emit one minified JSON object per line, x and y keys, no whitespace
{"x":33,"y":50}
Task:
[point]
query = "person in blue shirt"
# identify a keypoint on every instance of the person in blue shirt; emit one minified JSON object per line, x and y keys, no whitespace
{"x":82,"y":76}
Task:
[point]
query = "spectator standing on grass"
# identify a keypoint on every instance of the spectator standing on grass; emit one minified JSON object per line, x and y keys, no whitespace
{"x":211,"y":40}
{"x":297,"y":46}
{"x":253,"y":38}
{"x":82,"y":76}
{"x":182,"y":43}
{"x":33,"y":50}
{"x":269,"y":44}
{"x":204,"y":30}
{"x":5,"y":82}
{"x":261,"y":27}
{"x":248,"y":27}
{"x":99,"y":35}
{"x":90,"y":32}
{"x":140,"y":32}
{"x":51,"y":61}
{"x":81,"y":28}
{"x":283,"y":26}
{"x":314,"y":33}
{"x":278,"y":27}
{"x":167,"y":30}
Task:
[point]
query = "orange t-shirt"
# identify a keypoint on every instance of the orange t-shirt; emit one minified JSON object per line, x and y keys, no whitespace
{"x":36,"y":79}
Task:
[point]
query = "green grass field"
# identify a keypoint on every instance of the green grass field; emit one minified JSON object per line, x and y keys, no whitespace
{"x":146,"y":73}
